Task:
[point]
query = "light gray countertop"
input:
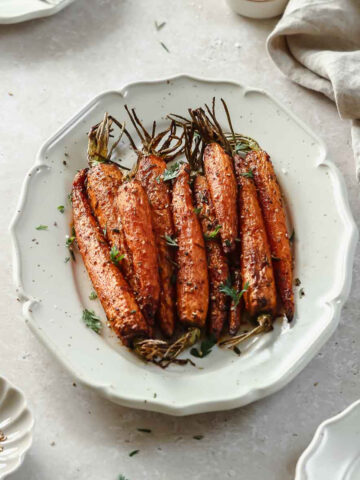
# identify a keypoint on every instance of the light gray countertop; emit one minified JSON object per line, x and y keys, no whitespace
{"x":50,"y":68}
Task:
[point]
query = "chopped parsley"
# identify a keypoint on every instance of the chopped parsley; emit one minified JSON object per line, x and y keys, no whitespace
{"x":292,"y":236}
{"x":115,"y":255}
{"x":159,"y":26}
{"x":105,"y":230}
{"x":171,"y":242}
{"x":93,"y":296}
{"x":164,"y":47}
{"x":134,"y":452}
{"x":197,"y":210}
{"x":198,"y":437}
{"x":144,"y":430}
{"x":230,"y":291}
{"x":92,"y":320}
{"x":213,"y":234}
{"x":121,"y":477}
{"x":69,"y":241}
{"x":66,"y":259}
{"x":61,"y":208}
{"x":42,"y":227}
{"x":205,"y":347}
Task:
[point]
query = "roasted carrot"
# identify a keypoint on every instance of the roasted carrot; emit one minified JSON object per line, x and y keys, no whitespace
{"x":219,"y":172}
{"x":275,"y":222}
{"x":135,"y":220}
{"x":103,"y":182}
{"x":217,"y":264}
{"x":192,"y":278}
{"x":149,"y":173}
{"x":114,"y":293}
{"x":256,"y":266}
{"x":235,"y":307}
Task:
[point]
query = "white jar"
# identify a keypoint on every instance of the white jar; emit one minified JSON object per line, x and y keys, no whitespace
{"x":258,"y":8}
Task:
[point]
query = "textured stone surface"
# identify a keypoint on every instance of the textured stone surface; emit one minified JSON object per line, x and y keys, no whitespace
{"x":53,"y":67}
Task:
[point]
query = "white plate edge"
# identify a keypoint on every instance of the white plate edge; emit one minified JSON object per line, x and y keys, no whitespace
{"x":300,"y":472}
{"x":46,"y":11}
{"x":335,"y":303}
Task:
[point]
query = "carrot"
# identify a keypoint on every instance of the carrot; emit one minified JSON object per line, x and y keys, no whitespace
{"x":149,"y":173}
{"x":192,"y":279}
{"x":135,"y":219}
{"x":275,"y":222}
{"x":256,"y":266}
{"x":217,"y":265}
{"x":235,"y":307}
{"x":219,"y":172}
{"x":114,"y":293}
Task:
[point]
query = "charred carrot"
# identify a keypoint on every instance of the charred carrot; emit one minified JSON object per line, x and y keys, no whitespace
{"x":217,"y":265}
{"x":275,"y":222}
{"x":135,"y":219}
{"x":114,"y":293}
{"x":192,"y":277}
{"x":149,"y":173}
{"x":256,"y":266}
{"x":236,"y":305}
{"x":219,"y":172}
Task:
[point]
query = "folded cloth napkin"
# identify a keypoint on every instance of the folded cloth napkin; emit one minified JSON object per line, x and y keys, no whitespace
{"x":317,"y":44}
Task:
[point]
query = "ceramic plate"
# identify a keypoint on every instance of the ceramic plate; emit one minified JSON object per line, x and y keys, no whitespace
{"x":16,"y":424}
{"x":15,"y":11}
{"x":334,"y":452}
{"x":55,"y":292}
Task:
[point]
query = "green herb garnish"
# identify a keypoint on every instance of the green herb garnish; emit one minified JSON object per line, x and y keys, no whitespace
{"x":105,"y":230}
{"x":69,"y":241}
{"x":144,"y":430}
{"x":213,"y":234}
{"x":205,"y":347}
{"x":93,"y":295}
{"x":159,"y":26}
{"x":197,"y":210}
{"x":91,"y":320}
{"x":61,"y":208}
{"x":134,"y":452}
{"x":42,"y":227}
{"x":164,"y":47}
{"x":121,"y":477}
{"x":171,"y":242}
{"x":198,"y":437}
{"x":171,"y":172}
{"x":292,"y":236}
{"x":230,"y":291}
{"x":66,"y":259}
{"x":248,"y":174}
{"x":115,"y":255}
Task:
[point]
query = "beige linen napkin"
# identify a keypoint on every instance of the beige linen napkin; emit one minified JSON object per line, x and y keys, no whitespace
{"x":317,"y":44}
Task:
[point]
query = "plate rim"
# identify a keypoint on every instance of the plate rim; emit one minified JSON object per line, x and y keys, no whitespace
{"x":311,"y":449}
{"x":29,"y":430}
{"x":335,"y":304}
{"x":46,"y":11}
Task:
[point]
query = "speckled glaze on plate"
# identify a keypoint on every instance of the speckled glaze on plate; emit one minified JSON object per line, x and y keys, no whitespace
{"x":15,"y":11}
{"x":55,"y":293}
{"x":16,"y":423}
{"x":334,"y":452}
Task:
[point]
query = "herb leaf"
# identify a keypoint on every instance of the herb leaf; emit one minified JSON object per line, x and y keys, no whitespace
{"x":230,"y":291}
{"x":134,"y":452}
{"x":248,"y":174}
{"x":61,"y":208}
{"x":115,"y":255}
{"x":292,"y":236}
{"x":198,"y":437}
{"x":242,"y":147}
{"x":69,"y":241}
{"x":144,"y":430}
{"x":213,"y":234}
{"x":172,"y":172}
{"x":93,"y":295}
{"x":171,"y":242}
{"x":121,"y":477}
{"x":197,"y":210}
{"x":159,"y":26}
{"x":92,"y":320}
{"x":42,"y":227}
{"x":205,"y":347}
{"x":164,"y":47}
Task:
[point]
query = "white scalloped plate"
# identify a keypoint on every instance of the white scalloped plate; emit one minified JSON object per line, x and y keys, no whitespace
{"x":55,"y":293}
{"x":16,"y":423}
{"x":15,"y":11}
{"x":334,"y":452}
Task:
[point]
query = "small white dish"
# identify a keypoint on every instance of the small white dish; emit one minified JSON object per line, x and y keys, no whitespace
{"x":15,"y":11}
{"x":16,"y":425}
{"x":54,"y":293}
{"x":258,"y":8}
{"x":334,"y":453}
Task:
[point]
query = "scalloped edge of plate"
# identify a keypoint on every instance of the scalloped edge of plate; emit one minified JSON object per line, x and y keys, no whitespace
{"x":44,"y":10}
{"x":335,"y":304}
{"x":311,"y":450}
{"x":28,"y":431}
